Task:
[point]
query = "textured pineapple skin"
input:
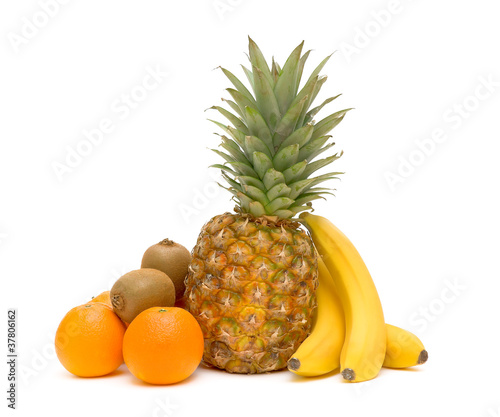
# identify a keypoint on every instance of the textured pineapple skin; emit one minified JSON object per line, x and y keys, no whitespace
{"x":251,"y":286}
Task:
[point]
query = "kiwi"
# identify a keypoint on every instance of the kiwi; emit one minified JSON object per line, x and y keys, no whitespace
{"x":171,"y":258}
{"x":139,"y":290}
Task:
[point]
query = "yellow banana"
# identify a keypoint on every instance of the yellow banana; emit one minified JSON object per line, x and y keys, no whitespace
{"x":404,"y":349}
{"x":319,"y":353}
{"x":364,"y":348}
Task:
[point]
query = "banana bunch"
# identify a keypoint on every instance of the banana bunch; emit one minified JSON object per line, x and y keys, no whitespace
{"x":350,"y":332}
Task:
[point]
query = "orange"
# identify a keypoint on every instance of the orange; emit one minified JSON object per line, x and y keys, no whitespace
{"x":89,"y":340}
{"x":102,"y":298}
{"x":163,"y":345}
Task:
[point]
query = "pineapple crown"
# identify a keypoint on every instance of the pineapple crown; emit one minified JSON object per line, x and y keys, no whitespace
{"x":273,"y":138}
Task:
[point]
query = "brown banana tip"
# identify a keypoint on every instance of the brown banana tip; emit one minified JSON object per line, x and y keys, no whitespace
{"x":349,"y":374}
{"x":293,"y":364}
{"x":422,"y":358}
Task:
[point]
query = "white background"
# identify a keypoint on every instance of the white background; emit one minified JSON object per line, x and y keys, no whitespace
{"x":430,"y":241}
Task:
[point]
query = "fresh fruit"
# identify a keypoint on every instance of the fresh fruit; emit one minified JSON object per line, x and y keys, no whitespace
{"x":404,"y":349}
{"x":102,"y":298}
{"x":171,"y":258}
{"x":139,"y":290}
{"x":163,"y":345}
{"x":253,"y":275}
{"x":251,"y":288}
{"x":320,"y":352}
{"x":365,"y":345}
{"x":89,"y":340}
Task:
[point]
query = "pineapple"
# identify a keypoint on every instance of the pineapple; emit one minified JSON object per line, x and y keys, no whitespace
{"x":252,"y":279}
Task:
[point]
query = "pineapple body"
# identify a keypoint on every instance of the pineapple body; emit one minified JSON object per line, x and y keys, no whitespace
{"x":251,"y":286}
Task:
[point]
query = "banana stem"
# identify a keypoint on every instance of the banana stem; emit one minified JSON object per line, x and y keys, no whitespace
{"x":349,"y":374}
{"x":293,"y":364}
{"x":422,"y":358}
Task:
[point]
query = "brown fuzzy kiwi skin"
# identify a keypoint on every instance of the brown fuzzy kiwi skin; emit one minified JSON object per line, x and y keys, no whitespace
{"x":139,"y":290}
{"x":169,"y":257}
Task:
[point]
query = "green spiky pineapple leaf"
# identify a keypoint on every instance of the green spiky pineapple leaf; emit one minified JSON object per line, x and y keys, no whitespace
{"x":272,"y":139}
